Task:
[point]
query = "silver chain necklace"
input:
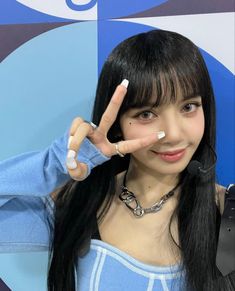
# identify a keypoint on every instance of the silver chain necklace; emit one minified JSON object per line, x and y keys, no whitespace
{"x":128,"y":198}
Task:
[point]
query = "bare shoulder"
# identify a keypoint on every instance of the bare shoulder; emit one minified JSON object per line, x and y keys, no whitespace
{"x":220,"y":195}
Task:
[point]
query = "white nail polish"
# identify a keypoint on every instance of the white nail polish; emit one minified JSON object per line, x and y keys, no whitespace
{"x":161,"y":134}
{"x":125,"y":83}
{"x":71,"y":154}
{"x":71,"y":163}
{"x":69,"y":141}
{"x":70,"y":160}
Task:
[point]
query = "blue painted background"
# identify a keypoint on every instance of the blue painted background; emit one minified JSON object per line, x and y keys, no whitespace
{"x":51,"y":78}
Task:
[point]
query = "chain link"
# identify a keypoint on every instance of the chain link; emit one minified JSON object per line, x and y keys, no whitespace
{"x":129,"y":197}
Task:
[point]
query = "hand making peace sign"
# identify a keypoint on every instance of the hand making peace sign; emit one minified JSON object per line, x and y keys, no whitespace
{"x":81,"y":129}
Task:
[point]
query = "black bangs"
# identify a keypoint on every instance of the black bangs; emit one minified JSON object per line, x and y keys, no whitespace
{"x":159,"y":70}
{"x":162,"y":67}
{"x":161,"y":86}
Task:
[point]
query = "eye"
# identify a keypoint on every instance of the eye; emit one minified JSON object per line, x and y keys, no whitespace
{"x":145,"y":115}
{"x":191,"y":107}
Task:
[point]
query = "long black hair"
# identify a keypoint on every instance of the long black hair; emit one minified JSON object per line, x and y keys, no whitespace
{"x":162,"y":64}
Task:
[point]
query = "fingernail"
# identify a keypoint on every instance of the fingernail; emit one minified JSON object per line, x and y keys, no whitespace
{"x":161,"y":134}
{"x":71,"y":154}
{"x":71,"y":163}
{"x":70,"y":160}
{"x":69,"y":141}
{"x":125,"y":83}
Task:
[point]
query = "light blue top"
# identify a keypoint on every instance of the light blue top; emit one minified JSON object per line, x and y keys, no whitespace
{"x":26,"y":223}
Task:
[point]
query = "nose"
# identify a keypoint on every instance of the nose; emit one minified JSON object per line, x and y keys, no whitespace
{"x":172,"y":125}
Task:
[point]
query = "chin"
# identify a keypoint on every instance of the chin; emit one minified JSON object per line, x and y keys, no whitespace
{"x":170,"y":168}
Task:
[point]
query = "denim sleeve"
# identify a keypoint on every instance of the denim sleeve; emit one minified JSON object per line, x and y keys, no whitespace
{"x":40,"y":173}
{"x":26,"y":208}
{"x":26,"y":224}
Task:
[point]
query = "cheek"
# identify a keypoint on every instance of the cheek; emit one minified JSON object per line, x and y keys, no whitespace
{"x":133,"y":130}
{"x":196,"y":130}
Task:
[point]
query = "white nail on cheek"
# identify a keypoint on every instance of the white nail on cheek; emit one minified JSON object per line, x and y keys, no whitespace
{"x":69,"y":141}
{"x":161,"y":134}
{"x":125,"y":83}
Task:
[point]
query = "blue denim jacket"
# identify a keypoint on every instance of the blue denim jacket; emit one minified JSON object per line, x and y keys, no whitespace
{"x":25,"y":184}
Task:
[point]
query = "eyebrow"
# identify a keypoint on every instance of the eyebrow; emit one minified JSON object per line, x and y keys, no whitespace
{"x":192,"y":96}
{"x":153,"y":104}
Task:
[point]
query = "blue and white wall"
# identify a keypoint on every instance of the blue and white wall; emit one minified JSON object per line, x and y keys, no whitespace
{"x":51,"y":53}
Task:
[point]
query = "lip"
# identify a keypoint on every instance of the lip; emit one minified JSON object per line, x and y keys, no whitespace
{"x":171,"y":156}
{"x":171,"y":152}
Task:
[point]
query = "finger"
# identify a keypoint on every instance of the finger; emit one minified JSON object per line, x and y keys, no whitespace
{"x":79,"y":173}
{"x":75,"y":124}
{"x":130,"y":146}
{"x":77,"y":170}
{"x":81,"y":132}
{"x":113,"y":107}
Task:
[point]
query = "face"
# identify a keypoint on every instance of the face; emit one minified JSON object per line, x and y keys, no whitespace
{"x":183,"y":124}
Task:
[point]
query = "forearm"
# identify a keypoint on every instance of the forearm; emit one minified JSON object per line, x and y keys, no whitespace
{"x":40,"y":173}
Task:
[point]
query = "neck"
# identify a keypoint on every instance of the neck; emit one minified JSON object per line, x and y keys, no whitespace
{"x":147,"y":186}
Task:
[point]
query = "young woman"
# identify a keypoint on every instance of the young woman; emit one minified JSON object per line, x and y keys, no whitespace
{"x":143,"y":218}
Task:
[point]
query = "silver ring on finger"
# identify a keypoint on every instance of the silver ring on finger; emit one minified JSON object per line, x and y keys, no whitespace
{"x":94,"y":126}
{"x":118,"y":151}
